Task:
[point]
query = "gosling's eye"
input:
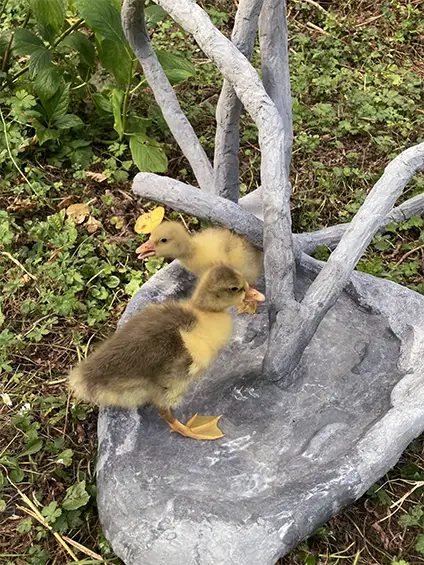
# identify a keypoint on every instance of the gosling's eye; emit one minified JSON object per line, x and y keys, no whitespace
{"x":234,"y":289}
{"x":163,"y":240}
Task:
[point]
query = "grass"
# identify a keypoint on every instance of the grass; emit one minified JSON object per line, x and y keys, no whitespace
{"x":357,"y":72}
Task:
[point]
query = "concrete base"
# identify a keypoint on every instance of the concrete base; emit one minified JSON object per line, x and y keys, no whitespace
{"x":291,"y":457}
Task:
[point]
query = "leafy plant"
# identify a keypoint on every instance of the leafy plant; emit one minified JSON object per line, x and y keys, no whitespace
{"x":76,"y":496}
{"x":47,"y":86}
{"x":419,"y":544}
{"x":412,"y":518}
{"x":379,"y":495}
{"x":357,"y":100}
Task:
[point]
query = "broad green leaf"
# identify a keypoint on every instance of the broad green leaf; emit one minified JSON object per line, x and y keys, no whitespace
{"x":9,"y":462}
{"x":148,"y":156}
{"x":49,"y":12}
{"x":175,"y":76}
{"x":2,"y":505}
{"x":68,"y":121}
{"x":154,"y":14}
{"x":412,"y":518}
{"x":177,"y":67}
{"x":80,"y":42}
{"x":118,"y":222}
{"x":100,"y":293}
{"x":47,"y":32}
{"x":132,"y":287}
{"x":57,"y":221}
{"x":17,"y":475}
{"x":24,"y":526}
{"x":32,"y":447}
{"x":67,"y":521}
{"x":51,"y":512}
{"x":117,"y":98}
{"x":75,"y":143}
{"x":45,"y":134}
{"x":112,"y":281}
{"x":135,"y":124}
{"x":116,"y":59}
{"x":102,"y":102}
{"x":25,"y":42}
{"x":104,"y":18}
{"x":39,"y":61}
{"x":57,"y":105}
{"x":382,"y":245}
{"x":76,"y":496}
{"x":65,"y":458}
{"x":81,"y":157}
{"x":378,"y":494}
{"x":47,"y":82}
{"x":419,"y":545}
{"x":4,"y":41}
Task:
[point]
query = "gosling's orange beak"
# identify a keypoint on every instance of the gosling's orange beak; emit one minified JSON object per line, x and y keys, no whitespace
{"x":254,"y":295}
{"x":146,"y":250}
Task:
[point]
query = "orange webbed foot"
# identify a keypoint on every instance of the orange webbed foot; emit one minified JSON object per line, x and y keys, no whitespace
{"x":198,"y":427}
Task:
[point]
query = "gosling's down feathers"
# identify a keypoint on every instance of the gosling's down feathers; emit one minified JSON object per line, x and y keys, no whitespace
{"x":157,"y":354}
{"x":204,"y":249}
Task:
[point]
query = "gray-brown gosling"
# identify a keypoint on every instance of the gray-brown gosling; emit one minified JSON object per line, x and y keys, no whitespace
{"x":159,"y":352}
{"x":200,"y":251}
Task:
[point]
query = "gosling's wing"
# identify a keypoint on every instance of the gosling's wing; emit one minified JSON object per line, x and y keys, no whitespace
{"x":162,"y":342}
{"x":220,"y":245}
{"x":252,"y":261}
{"x":137,"y":355}
{"x":213,"y":246}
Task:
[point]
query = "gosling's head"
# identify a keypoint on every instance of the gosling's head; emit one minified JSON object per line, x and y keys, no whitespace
{"x":222,"y":287}
{"x":169,"y":239}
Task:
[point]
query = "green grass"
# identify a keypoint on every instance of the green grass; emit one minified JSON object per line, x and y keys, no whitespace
{"x":357,"y":101}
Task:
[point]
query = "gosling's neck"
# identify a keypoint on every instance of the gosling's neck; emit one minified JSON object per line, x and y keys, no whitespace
{"x":188,"y":250}
{"x":202,"y":299}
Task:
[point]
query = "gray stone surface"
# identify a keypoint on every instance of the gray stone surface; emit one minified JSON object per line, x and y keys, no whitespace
{"x":290,"y":458}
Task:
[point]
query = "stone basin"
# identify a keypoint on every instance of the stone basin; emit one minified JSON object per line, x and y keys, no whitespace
{"x":291,"y":457}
